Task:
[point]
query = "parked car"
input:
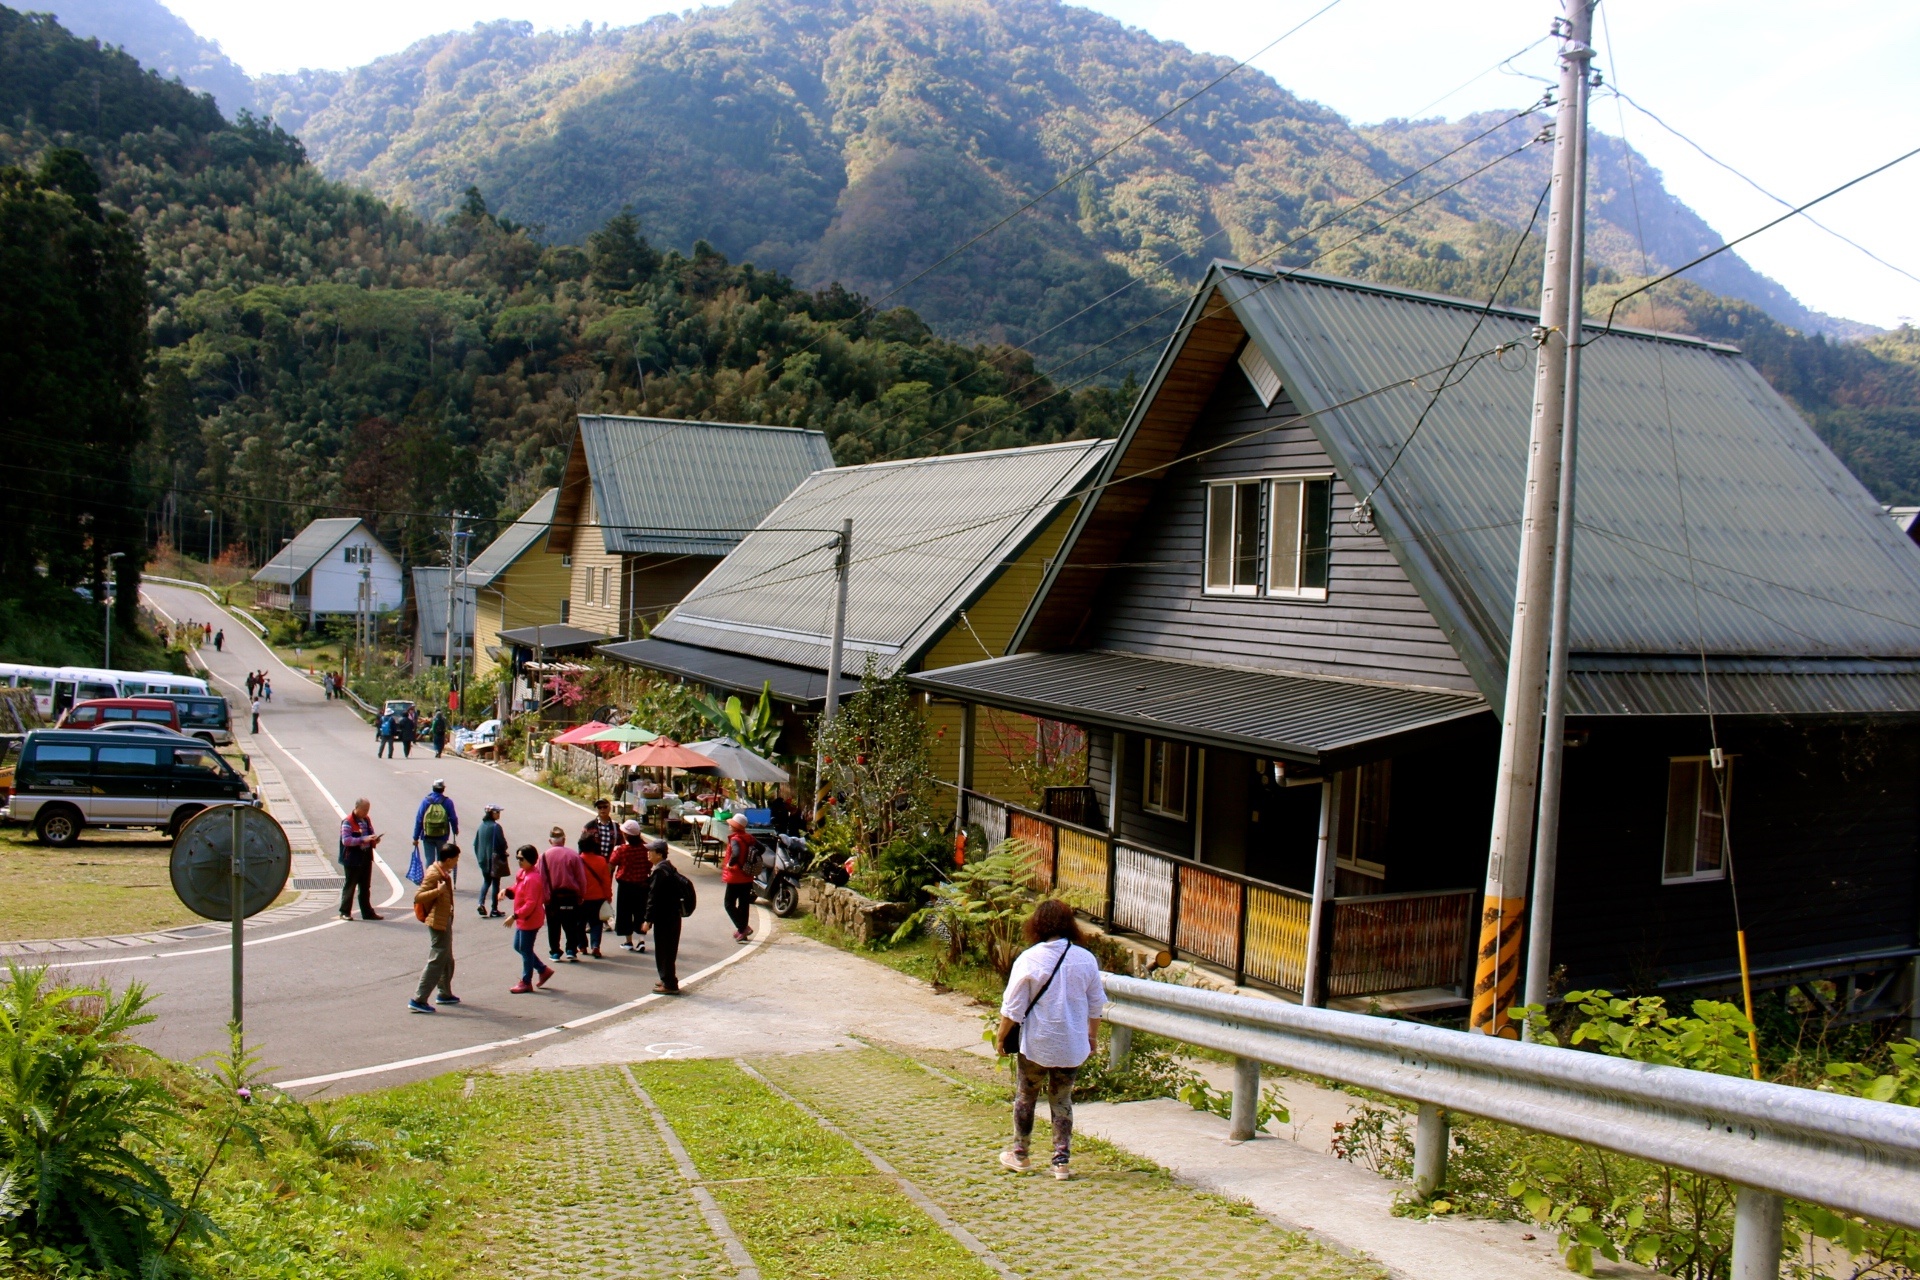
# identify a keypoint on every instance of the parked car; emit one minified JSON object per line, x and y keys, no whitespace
{"x":68,"y":780}
{"x":396,"y":706}
{"x":134,"y":726}
{"x":206,"y":717}
{"x":95,"y":712}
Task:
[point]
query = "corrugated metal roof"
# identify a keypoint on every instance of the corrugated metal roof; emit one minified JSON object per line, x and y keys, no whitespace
{"x":666,"y":487}
{"x":730,"y":671}
{"x":1289,"y":717}
{"x":928,"y":534}
{"x":430,"y":609}
{"x":512,"y":542}
{"x":1599,"y":686}
{"x":1791,"y":554}
{"x":553,"y":635}
{"x":308,"y":548}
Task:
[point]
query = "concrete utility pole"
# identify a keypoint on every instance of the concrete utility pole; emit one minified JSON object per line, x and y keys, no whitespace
{"x":106,"y":600}
{"x":1516,"y":786}
{"x":453,"y":581}
{"x":843,"y":560}
{"x":1546,"y":850}
{"x":209,"y":515}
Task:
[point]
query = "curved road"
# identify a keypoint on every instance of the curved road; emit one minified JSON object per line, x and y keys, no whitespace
{"x":326,"y":997}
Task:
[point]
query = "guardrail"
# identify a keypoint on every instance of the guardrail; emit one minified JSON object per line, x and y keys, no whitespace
{"x":189,"y":583}
{"x":1770,"y":1140}
{"x":1374,"y":943}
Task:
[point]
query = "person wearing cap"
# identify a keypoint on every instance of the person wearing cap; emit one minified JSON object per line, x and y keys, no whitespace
{"x":490,"y":853}
{"x":667,"y":894}
{"x":601,"y":835}
{"x":566,"y":881}
{"x":630,"y":868}
{"x":736,"y":873}
{"x":435,"y":822}
{"x":596,"y":897}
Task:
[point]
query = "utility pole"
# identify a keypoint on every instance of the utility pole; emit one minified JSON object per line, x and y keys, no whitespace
{"x":209,"y":515}
{"x":843,"y":560}
{"x":106,"y":600}
{"x":363,"y":619}
{"x":453,"y":571}
{"x":1497,"y":967}
{"x":1546,"y":849}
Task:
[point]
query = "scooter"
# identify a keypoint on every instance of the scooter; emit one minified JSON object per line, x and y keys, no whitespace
{"x":783,"y":860}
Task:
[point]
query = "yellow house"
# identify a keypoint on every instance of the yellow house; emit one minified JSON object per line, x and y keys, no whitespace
{"x":515,"y":583}
{"x":947,"y":553}
{"x":647,"y":506}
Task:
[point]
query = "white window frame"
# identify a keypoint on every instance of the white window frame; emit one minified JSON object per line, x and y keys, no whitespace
{"x":1275,"y":526}
{"x":1236,"y":485}
{"x":1158,"y":749}
{"x":1703,"y":780}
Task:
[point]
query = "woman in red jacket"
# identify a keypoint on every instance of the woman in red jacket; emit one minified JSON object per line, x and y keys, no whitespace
{"x":736,"y":873}
{"x":595,"y":897}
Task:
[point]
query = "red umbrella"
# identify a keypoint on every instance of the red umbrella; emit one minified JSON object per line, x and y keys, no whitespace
{"x":578,"y":735}
{"x":663,"y":753}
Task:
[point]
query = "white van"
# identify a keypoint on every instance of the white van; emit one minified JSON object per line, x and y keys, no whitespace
{"x":57,"y":688}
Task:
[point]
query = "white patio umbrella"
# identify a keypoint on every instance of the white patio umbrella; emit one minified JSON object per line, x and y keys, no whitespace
{"x":731,"y":760}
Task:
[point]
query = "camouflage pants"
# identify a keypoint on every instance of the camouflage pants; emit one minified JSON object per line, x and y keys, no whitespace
{"x":1029,"y":1078}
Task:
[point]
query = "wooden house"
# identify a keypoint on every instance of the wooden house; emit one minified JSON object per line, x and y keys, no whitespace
{"x":515,"y":583}
{"x":647,"y":506}
{"x":321,"y":571}
{"x":1284,"y":618}
{"x":947,"y":554}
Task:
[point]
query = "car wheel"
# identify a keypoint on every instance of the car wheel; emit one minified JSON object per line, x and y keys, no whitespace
{"x":58,"y":826}
{"x":786,"y":899}
{"x":206,"y":738}
{"x":181,"y":816}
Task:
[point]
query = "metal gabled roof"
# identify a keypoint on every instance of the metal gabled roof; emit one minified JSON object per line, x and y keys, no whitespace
{"x":1790,"y":554}
{"x":929,"y":534}
{"x":308,"y":548}
{"x":1302,"y":718}
{"x":430,"y":608}
{"x":667,"y":487}
{"x":512,"y":542}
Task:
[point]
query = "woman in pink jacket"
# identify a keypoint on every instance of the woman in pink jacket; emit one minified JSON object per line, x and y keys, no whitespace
{"x":529,"y":895}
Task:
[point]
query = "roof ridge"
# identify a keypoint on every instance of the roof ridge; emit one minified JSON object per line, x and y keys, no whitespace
{"x":699,"y":422}
{"x":973,"y":455}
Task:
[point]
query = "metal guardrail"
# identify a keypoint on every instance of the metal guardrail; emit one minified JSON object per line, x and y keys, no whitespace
{"x":189,"y":583}
{"x":1770,"y":1140}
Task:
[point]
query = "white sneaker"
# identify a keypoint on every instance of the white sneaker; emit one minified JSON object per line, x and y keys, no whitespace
{"x":1017,"y":1163}
{"x":1062,"y":1173}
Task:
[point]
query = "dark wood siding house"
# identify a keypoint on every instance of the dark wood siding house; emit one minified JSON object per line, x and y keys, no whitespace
{"x":1283,"y":619}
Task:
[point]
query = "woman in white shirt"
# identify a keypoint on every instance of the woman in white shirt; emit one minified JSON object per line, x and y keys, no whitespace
{"x":1055,"y":997}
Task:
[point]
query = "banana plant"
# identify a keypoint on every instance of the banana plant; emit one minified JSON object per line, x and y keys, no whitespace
{"x":758,"y":731}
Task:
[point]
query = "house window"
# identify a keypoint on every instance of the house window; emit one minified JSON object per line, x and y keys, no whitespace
{"x":589,"y":586}
{"x":1233,"y":538}
{"x":1302,"y":524}
{"x":1696,"y":820}
{"x":1165,"y":791}
{"x":1365,"y":799}
{"x":357,"y":555}
{"x":566,"y":607}
{"x":566,"y":562}
{"x":606,"y":586}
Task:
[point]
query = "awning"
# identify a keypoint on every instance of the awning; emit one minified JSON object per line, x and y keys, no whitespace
{"x":1286,"y":717}
{"x":730,"y":671}
{"x":554,"y":637}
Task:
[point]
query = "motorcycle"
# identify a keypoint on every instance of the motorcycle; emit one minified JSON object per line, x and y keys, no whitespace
{"x":783,"y":860}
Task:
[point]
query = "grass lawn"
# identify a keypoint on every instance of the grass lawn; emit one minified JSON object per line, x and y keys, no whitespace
{"x":111,"y":882}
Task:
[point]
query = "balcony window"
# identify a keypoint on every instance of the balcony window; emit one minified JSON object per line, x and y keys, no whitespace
{"x":1164,"y":789}
{"x":1696,"y":820}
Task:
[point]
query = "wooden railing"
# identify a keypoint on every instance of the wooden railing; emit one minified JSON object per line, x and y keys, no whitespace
{"x":1376,"y":944}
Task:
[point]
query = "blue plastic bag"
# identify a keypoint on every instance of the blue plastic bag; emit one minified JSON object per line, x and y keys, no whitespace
{"x":416,"y":870}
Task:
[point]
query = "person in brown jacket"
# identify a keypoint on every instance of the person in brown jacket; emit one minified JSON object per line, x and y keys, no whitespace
{"x":435,"y":899}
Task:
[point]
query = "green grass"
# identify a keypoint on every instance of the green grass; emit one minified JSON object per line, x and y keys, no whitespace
{"x":805,"y":1204}
{"x":919,"y":957}
{"x":111,"y":882}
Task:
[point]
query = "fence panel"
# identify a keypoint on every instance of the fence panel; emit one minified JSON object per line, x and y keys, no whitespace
{"x":1036,"y":834}
{"x":1399,"y":942}
{"x":1277,"y":921}
{"x":986,"y":813}
{"x":1143,"y":894}
{"x":1209,"y":915}
{"x":1083,"y":871}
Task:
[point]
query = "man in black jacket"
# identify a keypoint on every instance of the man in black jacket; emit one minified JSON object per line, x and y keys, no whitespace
{"x":602,"y":835}
{"x":667,"y":891}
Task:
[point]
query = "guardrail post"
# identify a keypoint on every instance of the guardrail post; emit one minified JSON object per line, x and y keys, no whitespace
{"x":1431,"y":1137}
{"x":1119,"y":1046}
{"x":1246,"y":1100}
{"x":1756,"y":1235}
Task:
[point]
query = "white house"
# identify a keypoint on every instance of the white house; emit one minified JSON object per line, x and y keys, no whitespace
{"x":320,"y":571}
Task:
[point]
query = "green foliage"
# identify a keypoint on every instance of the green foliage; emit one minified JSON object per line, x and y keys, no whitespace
{"x":980,"y":909}
{"x":1641,"y":1028}
{"x":1201,"y":1096}
{"x":1901,"y":1084}
{"x":79,"y":1130}
{"x":758,"y":731}
{"x":1154,"y":1069}
{"x":877,"y":759}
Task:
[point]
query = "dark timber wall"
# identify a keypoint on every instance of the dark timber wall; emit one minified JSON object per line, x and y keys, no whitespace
{"x":1372,"y":624}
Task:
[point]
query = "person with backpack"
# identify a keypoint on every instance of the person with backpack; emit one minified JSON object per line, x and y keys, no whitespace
{"x":383,"y":736}
{"x":670,"y":900}
{"x":437,"y":733}
{"x":436,"y":822}
{"x":737,"y":866}
{"x":630,"y":868}
{"x":566,"y":879}
{"x":1050,"y":1022}
{"x":433,"y":907}
{"x":490,"y":855}
{"x":529,"y":898}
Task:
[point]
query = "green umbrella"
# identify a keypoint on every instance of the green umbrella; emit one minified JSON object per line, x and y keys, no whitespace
{"x":630,"y":735}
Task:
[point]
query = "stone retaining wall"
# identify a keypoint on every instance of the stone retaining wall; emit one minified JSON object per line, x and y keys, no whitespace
{"x":859,"y":917}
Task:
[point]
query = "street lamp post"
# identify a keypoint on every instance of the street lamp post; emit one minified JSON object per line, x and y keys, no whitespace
{"x":106,"y":597}
{"x":209,"y":516}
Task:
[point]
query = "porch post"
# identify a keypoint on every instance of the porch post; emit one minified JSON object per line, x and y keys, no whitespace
{"x":1313,"y":985}
{"x":1200,"y":808}
{"x":966,"y":747}
{"x":1116,"y":761}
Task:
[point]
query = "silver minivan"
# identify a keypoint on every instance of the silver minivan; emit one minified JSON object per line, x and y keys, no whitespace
{"x":67,"y":781}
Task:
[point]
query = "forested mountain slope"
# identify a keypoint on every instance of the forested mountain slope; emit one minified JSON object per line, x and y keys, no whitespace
{"x":861,"y":140}
{"x":161,"y":41}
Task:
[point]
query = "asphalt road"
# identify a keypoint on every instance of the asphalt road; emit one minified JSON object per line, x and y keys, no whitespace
{"x":324,"y":996}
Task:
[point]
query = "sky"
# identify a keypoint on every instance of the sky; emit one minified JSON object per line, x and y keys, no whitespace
{"x":1798,"y":97}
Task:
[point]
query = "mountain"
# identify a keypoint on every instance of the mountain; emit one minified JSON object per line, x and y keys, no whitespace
{"x":861,"y":140}
{"x":161,"y":41}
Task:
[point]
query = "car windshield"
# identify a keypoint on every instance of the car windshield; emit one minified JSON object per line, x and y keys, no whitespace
{"x":202,"y":762}
{"x":206,"y":712}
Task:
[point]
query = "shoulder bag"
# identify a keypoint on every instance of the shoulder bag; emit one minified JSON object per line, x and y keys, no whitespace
{"x":1012,"y":1042}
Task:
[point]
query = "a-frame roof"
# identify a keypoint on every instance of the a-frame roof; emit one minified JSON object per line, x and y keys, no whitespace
{"x":1783,"y":564}
{"x":309,"y":547}
{"x":512,"y":542}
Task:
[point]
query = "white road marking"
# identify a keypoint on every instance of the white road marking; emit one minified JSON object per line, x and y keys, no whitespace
{"x":669,"y":1048}
{"x":450,"y":1054}
{"x":197,"y":951}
